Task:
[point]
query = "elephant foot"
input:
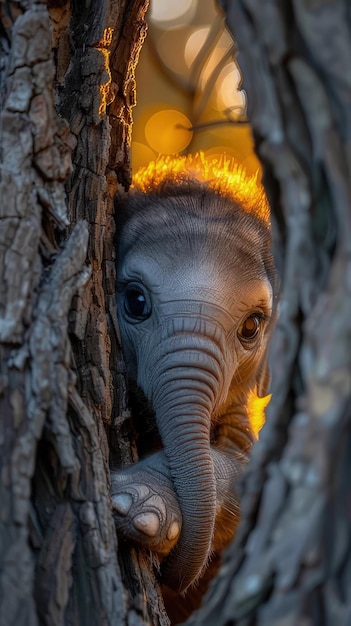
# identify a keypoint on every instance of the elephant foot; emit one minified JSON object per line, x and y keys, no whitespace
{"x":145,"y":508}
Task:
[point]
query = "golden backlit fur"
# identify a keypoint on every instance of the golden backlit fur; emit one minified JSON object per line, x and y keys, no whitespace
{"x":225,"y":176}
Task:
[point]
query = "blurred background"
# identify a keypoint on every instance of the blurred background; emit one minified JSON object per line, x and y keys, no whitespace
{"x":189,"y":95}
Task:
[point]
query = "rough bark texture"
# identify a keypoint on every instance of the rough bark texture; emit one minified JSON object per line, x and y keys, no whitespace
{"x":58,"y":546}
{"x":290,"y":563}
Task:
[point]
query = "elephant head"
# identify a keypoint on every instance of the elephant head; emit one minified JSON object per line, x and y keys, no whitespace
{"x":195,"y":300}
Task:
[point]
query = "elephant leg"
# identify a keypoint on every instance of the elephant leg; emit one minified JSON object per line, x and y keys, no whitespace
{"x":145,"y":506}
{"x":228,"y":471}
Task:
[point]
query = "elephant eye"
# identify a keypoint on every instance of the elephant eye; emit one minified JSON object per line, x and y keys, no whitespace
{"x":250,"y":327}
{"x":136,"y":303}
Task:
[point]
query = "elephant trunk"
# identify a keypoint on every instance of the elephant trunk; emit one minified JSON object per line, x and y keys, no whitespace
{"x":186,"y":387}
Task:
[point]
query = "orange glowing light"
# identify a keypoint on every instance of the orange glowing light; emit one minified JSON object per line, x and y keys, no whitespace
{"x":256,"y":409}
{"x":167,"y":131}
{"x":224,"y":175}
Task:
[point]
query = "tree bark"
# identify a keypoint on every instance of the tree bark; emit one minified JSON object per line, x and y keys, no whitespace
{"x":62,"y":389}
{"x":290,"y":562}
{"x":63,"y":410}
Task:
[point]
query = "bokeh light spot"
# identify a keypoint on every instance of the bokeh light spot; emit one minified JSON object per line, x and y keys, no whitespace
{"x":228,"y":94}
{"x":172,"y":12}
{"x":215,"y":58}
{"x":194,"y":44}
{"x":167,"y":131}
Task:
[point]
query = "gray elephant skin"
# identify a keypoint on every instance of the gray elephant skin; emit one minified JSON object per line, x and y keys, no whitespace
{"x":197,"y":288}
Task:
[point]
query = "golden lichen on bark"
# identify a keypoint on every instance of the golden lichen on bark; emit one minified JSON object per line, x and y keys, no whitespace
{"x":61,"y":377}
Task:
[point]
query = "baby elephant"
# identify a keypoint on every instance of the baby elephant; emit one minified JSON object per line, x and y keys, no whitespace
{"x":196,"y":293}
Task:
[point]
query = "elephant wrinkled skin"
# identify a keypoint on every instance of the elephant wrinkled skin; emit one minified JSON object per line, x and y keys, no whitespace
{"x":196,"y":299}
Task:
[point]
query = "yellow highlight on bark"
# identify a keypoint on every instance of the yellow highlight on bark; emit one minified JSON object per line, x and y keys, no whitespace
{"x":103,"y":45}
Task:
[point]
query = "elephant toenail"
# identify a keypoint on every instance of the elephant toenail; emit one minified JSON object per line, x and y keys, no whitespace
{"x":148,"y":523}
{"x":122,"y":503}
{"x":173,"y":531}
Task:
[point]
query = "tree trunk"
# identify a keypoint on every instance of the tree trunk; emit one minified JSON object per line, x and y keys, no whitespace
{"x":62,"y":390}
{"x":62,"y":394}
{"x":290,"y":563}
